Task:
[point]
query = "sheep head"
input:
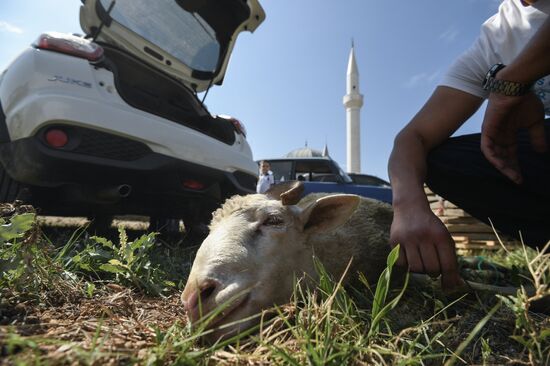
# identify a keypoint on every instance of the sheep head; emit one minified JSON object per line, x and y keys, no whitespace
{"x":256,"y":248}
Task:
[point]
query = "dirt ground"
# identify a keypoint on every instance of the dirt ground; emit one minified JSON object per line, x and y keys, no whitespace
{"x":122,"y":321}
{"x":117,"y":325}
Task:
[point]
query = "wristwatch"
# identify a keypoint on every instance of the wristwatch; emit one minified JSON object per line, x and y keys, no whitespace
{"x":505,"y":87}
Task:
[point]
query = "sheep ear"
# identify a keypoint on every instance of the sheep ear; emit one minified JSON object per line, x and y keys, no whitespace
{"x":328,"y":213}
{"x":289,"y":193}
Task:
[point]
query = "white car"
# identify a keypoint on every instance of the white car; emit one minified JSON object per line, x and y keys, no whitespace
{"x":110,"y":123}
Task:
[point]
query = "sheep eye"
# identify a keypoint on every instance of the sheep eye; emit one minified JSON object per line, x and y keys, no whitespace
{"x":273,"y":220}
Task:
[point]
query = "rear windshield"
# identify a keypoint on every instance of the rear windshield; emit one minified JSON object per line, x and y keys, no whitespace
{"x":369,"y":180}
{"x":282,"y":171}
{"x":184,"y":35}
{"x":320,"y":171}
{"x":308,"y":170}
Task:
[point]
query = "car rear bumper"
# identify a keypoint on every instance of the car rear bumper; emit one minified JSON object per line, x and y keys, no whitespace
{"x":156,"y":181}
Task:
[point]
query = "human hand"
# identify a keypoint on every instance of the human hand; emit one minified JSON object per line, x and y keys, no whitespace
{"x":426,"y":246}
{"x":503,"y":118}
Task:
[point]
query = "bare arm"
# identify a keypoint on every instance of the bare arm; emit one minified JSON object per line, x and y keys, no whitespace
{"x":426,"y":244}
{"x":506,"y":115}
{"x":534,"y":60}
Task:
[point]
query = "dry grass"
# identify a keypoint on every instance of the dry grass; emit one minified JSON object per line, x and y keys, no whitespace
{"x":57,"y":317}
{"x":117,"y":323}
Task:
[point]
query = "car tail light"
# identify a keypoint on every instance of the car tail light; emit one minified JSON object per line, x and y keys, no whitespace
{"x":56,"y":138}
{"x":70,"y":45}
{"x":193,"y":184}
{"x":239,"y":126}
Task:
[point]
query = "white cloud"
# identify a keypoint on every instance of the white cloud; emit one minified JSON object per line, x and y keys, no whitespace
{"x":492,"y":4}
{"x":433,"y":76}
{"x":7,"y":27}
{"x":422,"y":78}
{"x":449,"y":35}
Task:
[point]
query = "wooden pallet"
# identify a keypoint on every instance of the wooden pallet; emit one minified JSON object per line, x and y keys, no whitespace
{"x":468,"y":232}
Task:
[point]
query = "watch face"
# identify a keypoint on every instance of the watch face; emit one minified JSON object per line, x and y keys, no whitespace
{"x":496,"y":68}
{"x":491,"y":73}
{"x":488,"y":77}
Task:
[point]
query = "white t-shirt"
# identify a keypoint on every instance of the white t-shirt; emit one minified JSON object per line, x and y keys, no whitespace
{"x":264,"y":182}
{"x":502,"y":38}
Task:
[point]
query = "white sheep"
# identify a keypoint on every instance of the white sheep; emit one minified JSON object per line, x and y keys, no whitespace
{"x":260,"y":244}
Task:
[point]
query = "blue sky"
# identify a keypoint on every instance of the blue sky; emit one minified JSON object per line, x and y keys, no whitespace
{"x":286,"y":81}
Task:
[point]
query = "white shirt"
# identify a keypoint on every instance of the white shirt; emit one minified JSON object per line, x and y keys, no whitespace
{"x":502,"y":38}
{"x":264,"y":182}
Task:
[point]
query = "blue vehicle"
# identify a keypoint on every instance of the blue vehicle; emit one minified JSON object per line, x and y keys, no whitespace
{"x":322,"y":174}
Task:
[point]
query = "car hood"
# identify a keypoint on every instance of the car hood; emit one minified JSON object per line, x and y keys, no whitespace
{"x":189,"y":39}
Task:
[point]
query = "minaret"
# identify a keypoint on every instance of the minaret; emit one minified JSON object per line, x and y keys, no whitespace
{"x":353,"y":101}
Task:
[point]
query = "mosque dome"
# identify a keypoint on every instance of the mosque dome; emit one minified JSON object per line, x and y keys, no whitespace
{"x":304,"y":152}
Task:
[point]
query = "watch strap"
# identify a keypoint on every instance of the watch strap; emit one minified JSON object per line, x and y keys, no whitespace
{"x":504,"y":87}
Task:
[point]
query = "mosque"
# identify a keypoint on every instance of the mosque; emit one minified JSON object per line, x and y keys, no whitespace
{"x":353,"y":101}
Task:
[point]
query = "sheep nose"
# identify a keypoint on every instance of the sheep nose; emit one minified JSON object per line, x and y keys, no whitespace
{"x":194,"y":301}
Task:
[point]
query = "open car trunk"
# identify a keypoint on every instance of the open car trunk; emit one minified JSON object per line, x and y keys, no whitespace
{"x":145,"y":88}
{"x":191,"y":40}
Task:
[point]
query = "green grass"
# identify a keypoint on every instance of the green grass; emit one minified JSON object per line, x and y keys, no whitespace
{"x":119,"y":298}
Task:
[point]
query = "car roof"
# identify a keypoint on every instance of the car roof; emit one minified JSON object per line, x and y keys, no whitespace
{"x":298,"y":158}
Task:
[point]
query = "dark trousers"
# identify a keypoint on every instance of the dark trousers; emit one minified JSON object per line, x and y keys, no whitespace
{"x":458,"y":172}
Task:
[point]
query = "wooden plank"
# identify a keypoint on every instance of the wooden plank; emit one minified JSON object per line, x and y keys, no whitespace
{"x":465,"y":228}
{"x":456,"y":212}
{"x":489,"y":243}
{"x":446,"y":204}
{"x":477,"y":247}
{"x":460,"y":220}
{"x":475,"y":236}
{"x":460,"y":238}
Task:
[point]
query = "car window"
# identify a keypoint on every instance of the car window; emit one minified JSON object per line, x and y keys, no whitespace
{"x":344,"y":176}
{"x":369,"y":180}
{"x":184,"y":35}
{"x":310,"y":170}
{"x":282,"y":170}
{"x":333,"y":178}
{"x":320,"y":171}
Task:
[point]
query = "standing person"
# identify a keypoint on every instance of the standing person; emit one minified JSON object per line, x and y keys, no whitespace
{"x":265,"y":179}
{"x":502,"y":174}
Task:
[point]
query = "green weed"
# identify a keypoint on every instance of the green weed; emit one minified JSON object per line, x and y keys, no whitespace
{"x":528,"y":332}
{"x":26,"y":264}
{"x":327,"y":324}
{"x":126,"y":262}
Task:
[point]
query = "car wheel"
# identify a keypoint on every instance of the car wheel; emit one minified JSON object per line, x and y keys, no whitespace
{"x":196,"y":229}
{"x":9,"y":188}
{"x":100,"y":225}
{"x":195,"y":235}
{"x":168,"y":229}
{"x":164,"y":225}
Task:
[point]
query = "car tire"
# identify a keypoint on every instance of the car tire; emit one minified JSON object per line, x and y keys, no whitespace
{"x":196,"y":228}
{"x":167,"y":228}
{"x":164,"y":225}
{"x":100,"y":225}
{"x":195,"y":234}
{"x":9,"y":188}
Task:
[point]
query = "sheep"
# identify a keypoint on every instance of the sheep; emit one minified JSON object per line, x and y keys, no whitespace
{"x":260,"y":244}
